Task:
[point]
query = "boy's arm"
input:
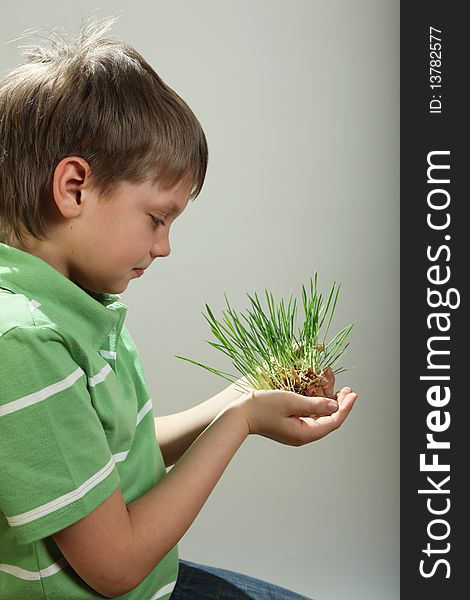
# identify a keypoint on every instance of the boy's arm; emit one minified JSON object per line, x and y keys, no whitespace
{"x":176,"y":432}
{"x":116,"y":546}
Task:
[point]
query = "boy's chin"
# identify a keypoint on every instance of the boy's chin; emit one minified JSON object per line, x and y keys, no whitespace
{"x":116,"y":289}
{"x":109,"y":288}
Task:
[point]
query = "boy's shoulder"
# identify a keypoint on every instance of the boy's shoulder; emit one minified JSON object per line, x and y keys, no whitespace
{"x":36,"y":299}
{"x":16,"y":311}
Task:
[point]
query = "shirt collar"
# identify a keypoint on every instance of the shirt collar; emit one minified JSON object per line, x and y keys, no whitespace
{"x":63,"y":302}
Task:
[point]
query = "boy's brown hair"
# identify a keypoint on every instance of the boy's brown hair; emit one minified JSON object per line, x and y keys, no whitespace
{"x":97,"y":98}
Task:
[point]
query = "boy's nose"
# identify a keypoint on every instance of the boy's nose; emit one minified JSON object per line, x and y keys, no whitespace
{"x":161,"y":249}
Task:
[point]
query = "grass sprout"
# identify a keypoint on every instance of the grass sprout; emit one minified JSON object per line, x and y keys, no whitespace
{"x":267,"y":348}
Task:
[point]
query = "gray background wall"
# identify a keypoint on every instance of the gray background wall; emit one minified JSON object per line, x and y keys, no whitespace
{"x":300,"y":104}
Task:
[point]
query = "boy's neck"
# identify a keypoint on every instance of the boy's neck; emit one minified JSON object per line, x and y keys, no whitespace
{"x":47,"y":250}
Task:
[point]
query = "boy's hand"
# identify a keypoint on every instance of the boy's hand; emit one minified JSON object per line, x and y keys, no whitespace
{"x":292,"y":419}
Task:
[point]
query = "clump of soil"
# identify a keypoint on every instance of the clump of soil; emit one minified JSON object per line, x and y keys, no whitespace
{"x":295,"y":380}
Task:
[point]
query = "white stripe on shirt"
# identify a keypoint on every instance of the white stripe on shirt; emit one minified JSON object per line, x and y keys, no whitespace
{"x":143,"y":411}
{"x":108,"y":354}
{"x":33,"y":304}
{"x":167,"y":589}
{"x":65,"y":500}
{"x":120,"y":456}
{"x":43,"y":394}
{"x":147,"y":407}
{"x":20,"y":573}
{"x":99,"y":377}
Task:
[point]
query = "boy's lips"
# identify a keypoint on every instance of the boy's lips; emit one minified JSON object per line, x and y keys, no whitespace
{"x":139,"y":272}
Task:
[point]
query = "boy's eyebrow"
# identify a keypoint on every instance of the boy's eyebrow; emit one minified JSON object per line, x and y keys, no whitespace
{"x":173,"y":207}
{"x":170,"y":206}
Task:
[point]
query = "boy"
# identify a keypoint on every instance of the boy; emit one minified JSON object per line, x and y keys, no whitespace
{"x":98,"y":157}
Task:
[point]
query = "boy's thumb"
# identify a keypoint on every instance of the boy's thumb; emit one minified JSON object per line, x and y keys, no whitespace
{"x":315,"y":406}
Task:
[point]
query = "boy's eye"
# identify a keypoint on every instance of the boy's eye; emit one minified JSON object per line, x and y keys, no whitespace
{"x":157,"y":221}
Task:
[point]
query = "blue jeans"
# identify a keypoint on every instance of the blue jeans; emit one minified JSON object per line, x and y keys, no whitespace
{"x":200,"y":582}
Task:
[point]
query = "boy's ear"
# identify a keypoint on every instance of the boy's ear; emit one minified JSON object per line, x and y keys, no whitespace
{"x":71,"y":177}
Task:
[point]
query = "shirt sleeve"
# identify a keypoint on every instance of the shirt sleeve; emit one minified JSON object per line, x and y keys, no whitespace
{"x":55,"y":463}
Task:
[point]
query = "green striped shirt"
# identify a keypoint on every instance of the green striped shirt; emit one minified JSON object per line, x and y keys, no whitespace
{"x":76,"y":423}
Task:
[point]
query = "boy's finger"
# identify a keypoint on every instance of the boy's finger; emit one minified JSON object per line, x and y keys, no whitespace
{"x":345,"y":408}
{"x":339,"y":396}
{"x":326,"y":387}
{"x":328,"y":382}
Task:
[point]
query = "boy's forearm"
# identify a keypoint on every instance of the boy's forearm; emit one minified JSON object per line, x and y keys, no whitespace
{"x":175,"y":433}
{"x":160,"y":518}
